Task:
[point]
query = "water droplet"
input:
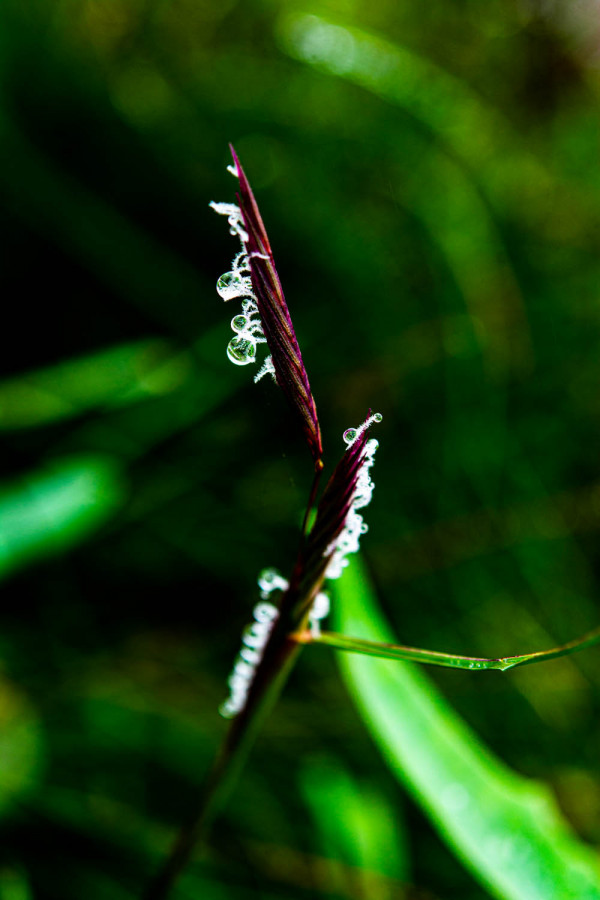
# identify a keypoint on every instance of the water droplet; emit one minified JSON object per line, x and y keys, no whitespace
{"x":377,"y":417}
{"x":320,"y":607}
{"x":227,"y":280}
{"x":230,"y":285}
{"x":241,"y":351}
{"x":364,"y":528}
{"x":268,"y":578}
{"x":238,"y":323}
{"x":350,"y":435}
{"x":253,"y":636}
{"x":228,"y":709}
{"x":265,"y":614}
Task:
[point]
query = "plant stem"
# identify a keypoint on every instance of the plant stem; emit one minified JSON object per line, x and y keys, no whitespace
{"x":312,"y":496}
{"x":270,"y":677}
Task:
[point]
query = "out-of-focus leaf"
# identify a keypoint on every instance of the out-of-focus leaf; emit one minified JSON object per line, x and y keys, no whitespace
{"x":51,"y":510}
{"x":357,"y":828}
{"x":14,"y":885}
{"x":114,"y":376}
{"x":506,"y":829}
{"x":130,"y":431}
{"x":475,"y":131}
{"x":137,"y":835}
{"x":448,"y":660}
{"x":21,"y":751}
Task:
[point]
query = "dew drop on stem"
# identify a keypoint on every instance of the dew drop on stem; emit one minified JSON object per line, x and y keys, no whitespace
{"x":230,"y":285}
{"x":239,"y":323}
{"x":241,"y":351}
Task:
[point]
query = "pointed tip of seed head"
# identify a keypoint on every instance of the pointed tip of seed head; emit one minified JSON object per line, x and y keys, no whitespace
{"x":236,"y":161}
{"x":277,"y":325}
{"x":262,"y":285}
{"x":258,"y":243}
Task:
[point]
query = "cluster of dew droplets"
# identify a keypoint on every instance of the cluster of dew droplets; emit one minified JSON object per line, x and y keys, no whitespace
{"x":270,"y":580}
{"x":247,"y":326}
{"x":256,"y":635}
{"x":254,"y":639}
{"x":349,"y":539}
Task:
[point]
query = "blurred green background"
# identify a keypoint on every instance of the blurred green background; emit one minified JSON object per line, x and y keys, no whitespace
{"x":428,"y":175}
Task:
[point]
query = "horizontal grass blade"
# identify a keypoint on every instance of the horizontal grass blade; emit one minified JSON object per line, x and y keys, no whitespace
{"x":506,"y":829}
{"x":449,"y":660}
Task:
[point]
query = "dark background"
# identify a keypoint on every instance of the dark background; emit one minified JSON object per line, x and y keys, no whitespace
{"x":428,"y":175}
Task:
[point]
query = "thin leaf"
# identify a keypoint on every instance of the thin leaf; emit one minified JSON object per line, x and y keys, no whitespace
{"x":449,"y":660}
{"x":506,"y":829}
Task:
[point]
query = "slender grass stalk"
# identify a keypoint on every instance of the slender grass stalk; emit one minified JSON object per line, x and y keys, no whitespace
{"x":311,"y":500}
{"x":262,"y":671}
{"x":279,"y":634}
{"x":271,"y":676}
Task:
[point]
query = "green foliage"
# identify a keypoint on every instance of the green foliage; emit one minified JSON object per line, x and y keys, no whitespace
{"x":358,"y":831}
{"x":506,"y":828}
{"x":428,"y":177}
{"x":51,"y":510}
{"x":21,"y":750}
{"x":114,"y":376}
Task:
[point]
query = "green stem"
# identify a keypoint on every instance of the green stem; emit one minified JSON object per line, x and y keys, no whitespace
{"x":436,"y":658}
{"x":312,"y":496}
{"x":270,"y":678}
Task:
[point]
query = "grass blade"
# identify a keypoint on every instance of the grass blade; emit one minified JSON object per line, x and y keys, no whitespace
{"x":505,"y":828}
{"x":449,"y":660}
